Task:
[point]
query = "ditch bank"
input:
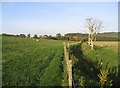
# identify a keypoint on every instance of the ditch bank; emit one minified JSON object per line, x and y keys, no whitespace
{"x":81,"y":71}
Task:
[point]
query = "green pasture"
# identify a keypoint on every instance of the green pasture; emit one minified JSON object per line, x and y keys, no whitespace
{"x":28,"y":62}
{"x":32,"y":62}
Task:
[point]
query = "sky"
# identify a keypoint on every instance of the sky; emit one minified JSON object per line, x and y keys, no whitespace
{"x":56,"y":17}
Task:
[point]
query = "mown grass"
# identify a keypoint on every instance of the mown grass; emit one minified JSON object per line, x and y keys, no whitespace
{"x":111,"y":45}
{"x":26,"y":61}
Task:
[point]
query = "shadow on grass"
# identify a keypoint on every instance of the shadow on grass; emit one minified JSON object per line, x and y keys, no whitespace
{"x":89,"y":70}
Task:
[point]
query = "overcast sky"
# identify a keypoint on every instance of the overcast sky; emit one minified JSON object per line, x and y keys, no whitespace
{"x":56,"y":17}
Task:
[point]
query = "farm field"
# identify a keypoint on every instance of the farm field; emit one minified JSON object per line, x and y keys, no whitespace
{"x":32,"y":62}
{"x":113,"y":45}
{"x":60,"y":44}
{"x":27,"y":62}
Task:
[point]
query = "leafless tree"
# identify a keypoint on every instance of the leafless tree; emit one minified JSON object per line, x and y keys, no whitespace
{"x":93,"y":27}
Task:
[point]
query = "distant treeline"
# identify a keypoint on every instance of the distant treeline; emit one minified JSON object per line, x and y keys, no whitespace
{"x":108,"y":36}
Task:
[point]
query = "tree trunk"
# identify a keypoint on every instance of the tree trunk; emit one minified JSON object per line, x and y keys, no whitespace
{"x":89,"y":39}
{"x":92,"y":44}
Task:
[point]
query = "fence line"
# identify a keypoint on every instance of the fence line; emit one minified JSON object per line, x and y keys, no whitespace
{"x":68,"y":63}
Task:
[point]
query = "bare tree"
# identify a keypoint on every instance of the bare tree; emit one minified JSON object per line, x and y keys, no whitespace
{"x":93,"y":27}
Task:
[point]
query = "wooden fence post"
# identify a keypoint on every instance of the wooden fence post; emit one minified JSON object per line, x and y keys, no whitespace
{"x":70,"y":73}
{"x":68,"y":63}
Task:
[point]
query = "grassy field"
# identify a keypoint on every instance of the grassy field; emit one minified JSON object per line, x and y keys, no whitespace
{"x":107,"y":52}
{"x":89,"y":62}
{"x":105,"y":56}
{"x":113,"y":45}
{"x":27,"y":62}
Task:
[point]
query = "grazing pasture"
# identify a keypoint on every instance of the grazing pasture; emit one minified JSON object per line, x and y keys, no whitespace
{"x":39,"y":62}
{"x":113,"y":45}
{"x":27,"y":62}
